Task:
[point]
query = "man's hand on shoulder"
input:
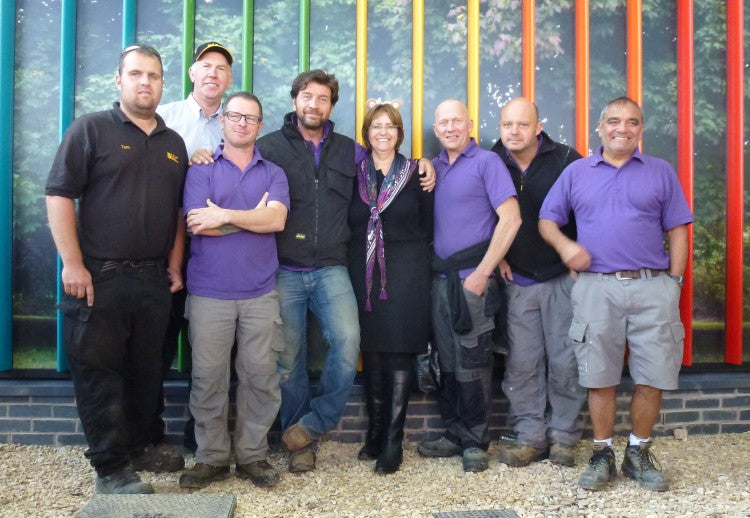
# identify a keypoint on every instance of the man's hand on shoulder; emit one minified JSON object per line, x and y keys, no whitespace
{"x":427,"y":174}
{"x":77,"y":282}
{"x":202,"y":156}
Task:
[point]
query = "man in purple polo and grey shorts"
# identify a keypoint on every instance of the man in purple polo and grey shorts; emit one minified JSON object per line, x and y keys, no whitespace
{"x":628,"y":286}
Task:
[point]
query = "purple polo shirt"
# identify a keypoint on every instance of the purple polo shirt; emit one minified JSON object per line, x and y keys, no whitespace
{"x":621,"y":214}
{"x":467,"y":194}
{"x":239,"y":265}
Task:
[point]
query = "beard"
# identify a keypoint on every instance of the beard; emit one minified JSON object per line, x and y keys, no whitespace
{"x":311,"y":125}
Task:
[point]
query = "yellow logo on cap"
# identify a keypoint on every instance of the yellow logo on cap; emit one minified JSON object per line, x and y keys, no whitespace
{"x":173,"y":157}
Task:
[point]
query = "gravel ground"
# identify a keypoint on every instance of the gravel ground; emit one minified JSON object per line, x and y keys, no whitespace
{"x":710,"y":477}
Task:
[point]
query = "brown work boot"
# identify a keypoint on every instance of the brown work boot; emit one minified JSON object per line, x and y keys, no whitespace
{"x":202,"y":474}
{"x":302,"y":461}
{"x":519,"y":455}
{"x":296,"y":437}
{"x":562,"y":455}
{"x":158,"y":459}
{"x":260,"y":473}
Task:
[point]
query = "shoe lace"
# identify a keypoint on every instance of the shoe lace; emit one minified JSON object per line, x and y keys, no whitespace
{"x":647,"y":460}
{"x":599,"y":459}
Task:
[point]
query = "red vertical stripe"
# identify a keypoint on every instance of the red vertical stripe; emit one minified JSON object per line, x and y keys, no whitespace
{"x":582,"y":76}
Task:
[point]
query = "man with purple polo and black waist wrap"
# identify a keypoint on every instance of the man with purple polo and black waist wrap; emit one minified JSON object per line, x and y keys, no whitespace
{"x":233,"y":206}
{"x":628,"y":286}
{"x":476,"y":219}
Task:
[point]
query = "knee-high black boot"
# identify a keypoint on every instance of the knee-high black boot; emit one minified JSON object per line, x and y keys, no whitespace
{"x":372,"y":368}
{"x":392,"y":453}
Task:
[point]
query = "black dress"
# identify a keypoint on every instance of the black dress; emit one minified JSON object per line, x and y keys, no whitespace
{"x":400,"y":324}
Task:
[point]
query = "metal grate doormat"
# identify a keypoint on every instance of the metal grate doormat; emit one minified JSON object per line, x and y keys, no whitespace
{"x":488,"y":513}
{"x":162,"y":505}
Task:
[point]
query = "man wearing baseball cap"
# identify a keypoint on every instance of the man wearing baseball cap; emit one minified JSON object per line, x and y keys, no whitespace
{"x":196,"y":119}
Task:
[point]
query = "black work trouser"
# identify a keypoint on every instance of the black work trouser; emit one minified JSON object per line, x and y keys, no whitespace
{"x":115,"y":354}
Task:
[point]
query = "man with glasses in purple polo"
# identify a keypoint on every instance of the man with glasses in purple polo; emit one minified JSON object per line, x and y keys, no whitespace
{"x":127,"y":169}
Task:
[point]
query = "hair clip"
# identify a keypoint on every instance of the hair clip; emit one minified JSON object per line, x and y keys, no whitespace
{"x":372,"y":103}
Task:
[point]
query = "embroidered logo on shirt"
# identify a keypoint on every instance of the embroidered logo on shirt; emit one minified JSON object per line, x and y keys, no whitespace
{"x":173,"y":157}
{"x":300,"y":236}
{"x":124,"y":146}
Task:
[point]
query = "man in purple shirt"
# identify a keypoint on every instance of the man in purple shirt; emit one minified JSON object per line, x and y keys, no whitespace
{"x":233,"y":207}
{"x":628,"y":286}
{"x":476,"y":219}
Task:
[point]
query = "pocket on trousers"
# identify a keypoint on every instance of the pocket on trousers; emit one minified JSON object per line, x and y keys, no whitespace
{"x":577,"y":332}
{"x":76,"y":315}
{"x":477,"y":351}
{"x":278,"y":337}
{"x":678,"y":332}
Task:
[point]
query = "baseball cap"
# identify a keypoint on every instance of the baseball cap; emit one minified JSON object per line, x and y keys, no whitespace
{"x":213,"y":46}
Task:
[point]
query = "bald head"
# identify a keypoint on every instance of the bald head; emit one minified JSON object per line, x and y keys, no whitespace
{"x":520,"y":128}
{"x":452,"y":126}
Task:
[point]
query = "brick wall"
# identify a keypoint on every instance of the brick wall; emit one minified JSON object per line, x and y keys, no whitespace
{"x":44,"y":412}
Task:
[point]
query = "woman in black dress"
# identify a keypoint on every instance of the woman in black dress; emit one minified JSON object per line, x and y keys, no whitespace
{"x":389,"y":264}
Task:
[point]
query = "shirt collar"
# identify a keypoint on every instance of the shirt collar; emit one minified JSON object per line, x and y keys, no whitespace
{"x":195,"y":108}
{"x":599,"y":156}
{"x":470,"y":150}
{"x":160,"y":125}
{"x":257,"y":157}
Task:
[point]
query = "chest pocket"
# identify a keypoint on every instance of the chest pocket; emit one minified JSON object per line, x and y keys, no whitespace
{"x":341,"y":182}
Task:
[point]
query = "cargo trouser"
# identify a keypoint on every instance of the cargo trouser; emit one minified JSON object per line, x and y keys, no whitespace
{"x":465,"y":395}
{"x":541,"y":374}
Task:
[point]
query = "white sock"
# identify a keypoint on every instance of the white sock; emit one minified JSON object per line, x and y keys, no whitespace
{"x":608,"y":442}
{"x":636,"y":441}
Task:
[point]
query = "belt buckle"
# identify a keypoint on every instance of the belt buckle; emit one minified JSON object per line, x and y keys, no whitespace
{"x":619,"y":276}
{"x":134,"y":264}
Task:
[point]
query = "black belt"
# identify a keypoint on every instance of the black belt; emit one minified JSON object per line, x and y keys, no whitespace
{"x":112,"y":264}
{"x":633,"y":274}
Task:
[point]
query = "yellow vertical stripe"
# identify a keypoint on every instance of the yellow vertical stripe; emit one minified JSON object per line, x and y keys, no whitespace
{"x":472,"y":50}
{"x":417,"y":79}
{"x":360,"y":86}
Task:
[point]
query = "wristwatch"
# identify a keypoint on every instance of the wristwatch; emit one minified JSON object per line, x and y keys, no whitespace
{"x":679,"y":279}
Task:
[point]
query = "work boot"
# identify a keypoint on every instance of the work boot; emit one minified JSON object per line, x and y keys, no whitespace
{"x":123,"y":482}
{"x":441,"y":447}
{"x":374,"y":402}
{"x":519,"y":455}
{"x":562,"y":455}
{"x":392,"y":453}
{"x":302,"y":461}
{"x":475,"y":460}
{"x":601,"y":468}
{"x":296,"y":437}
{"x":158,"y":459}
{"x":202,"y":474}
{"x":260,"y":473}
{"x":638,"y":464}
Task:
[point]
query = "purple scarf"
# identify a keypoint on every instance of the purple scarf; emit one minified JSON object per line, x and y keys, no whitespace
{"x":393,"y":183}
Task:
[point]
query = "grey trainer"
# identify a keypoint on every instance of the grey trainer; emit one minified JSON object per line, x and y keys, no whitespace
{"x":441,"y":447}
{"x":638,"y":464}
{"x":123,"y":482}
{"x":601,"y":468}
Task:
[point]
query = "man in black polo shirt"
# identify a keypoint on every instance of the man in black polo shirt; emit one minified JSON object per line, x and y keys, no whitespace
{"x":127,"y":170}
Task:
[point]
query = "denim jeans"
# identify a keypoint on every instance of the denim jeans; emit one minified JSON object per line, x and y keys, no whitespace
{"x":328,"y":293}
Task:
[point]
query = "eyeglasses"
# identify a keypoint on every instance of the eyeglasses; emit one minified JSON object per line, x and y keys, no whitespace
{"x":444,"y":123}
{"x":387,"y":127}
{"x":252,"y":120}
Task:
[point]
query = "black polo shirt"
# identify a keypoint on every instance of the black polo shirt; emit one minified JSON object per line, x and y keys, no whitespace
{"x":129,"y":184}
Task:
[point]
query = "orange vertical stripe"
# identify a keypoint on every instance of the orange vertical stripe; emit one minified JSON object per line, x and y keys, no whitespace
{"x":735,"y":181}
{"x":685,"y":149}
{"x":472,"y":61}
{"x":528,"y":39}
{"x":582,"y":76}
{"x":635,"y":51}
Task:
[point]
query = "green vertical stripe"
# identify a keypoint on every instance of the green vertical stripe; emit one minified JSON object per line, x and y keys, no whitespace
{"x":7,"y":78}
{"x":188,"y":44}
{"x":248,"y":37}
{"x":67,"y":106}
{"x":128,"y":22}
{"x":304,"y":35}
